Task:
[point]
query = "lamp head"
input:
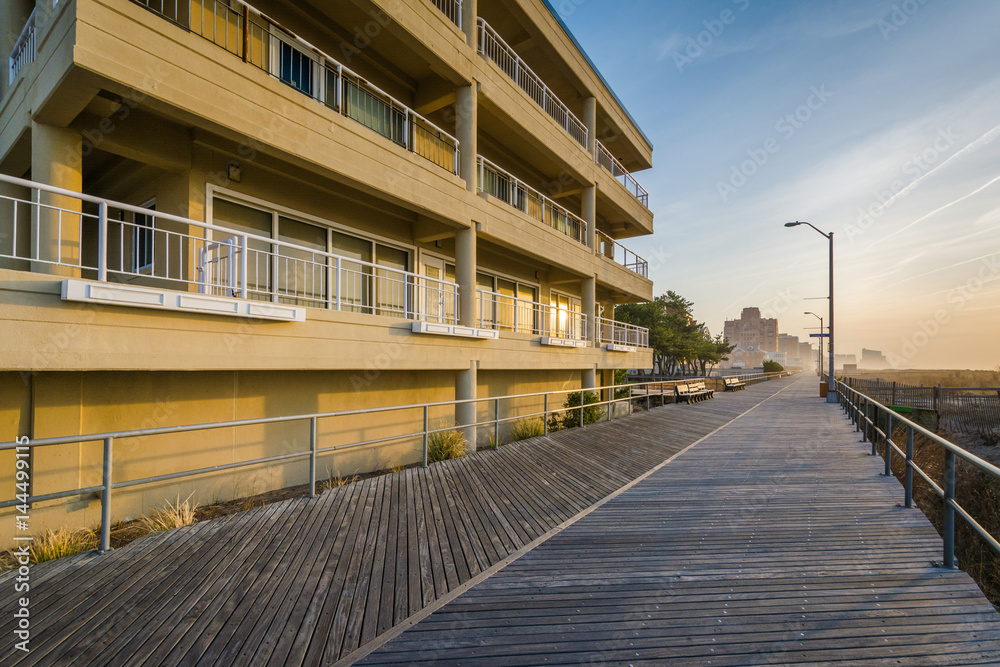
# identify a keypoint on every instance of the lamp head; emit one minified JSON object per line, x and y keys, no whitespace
{"x":792,"y":224}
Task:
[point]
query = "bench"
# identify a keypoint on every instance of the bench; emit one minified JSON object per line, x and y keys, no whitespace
{"x":733,"y":384}
{"x":687,"y":392}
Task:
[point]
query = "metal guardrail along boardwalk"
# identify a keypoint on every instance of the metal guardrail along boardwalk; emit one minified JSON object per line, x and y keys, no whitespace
{"x":774,"y":539}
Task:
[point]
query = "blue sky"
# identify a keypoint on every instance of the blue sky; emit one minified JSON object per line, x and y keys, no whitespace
{"x":878,"y":121}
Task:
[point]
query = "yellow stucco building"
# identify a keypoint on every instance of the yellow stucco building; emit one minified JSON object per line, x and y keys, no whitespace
{"x":213,"y":210}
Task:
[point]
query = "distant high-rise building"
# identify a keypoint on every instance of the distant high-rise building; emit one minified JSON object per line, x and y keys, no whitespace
{"x":807,"y":353}
{"x":754,"y":330}
{"x":873,"y":359}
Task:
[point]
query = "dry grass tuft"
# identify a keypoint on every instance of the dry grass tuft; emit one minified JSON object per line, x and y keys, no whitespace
{"x":445,"y":445}
{"x":527,"y":428}
{"x":63,"y":542}
{"x":172,"y":516}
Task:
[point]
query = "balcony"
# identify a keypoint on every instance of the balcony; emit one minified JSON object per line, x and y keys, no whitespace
{"x":493,"y":47}
{"x":452,"y":9}
{"x":620,"y":337}
{"x":503,"y":312}
{"x":619,"y":254}
{"x":145,"y":258}
{"x":24,"y":50}
{"x":496,"y":182}
{"x":621,"y":174}
{"x":263,"y":43}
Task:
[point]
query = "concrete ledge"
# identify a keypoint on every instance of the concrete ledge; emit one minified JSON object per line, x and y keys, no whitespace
{"x":161,"y":299}
{"x":457,"y":330}
{"x":563,"y":342}
{"x":615,"y":347}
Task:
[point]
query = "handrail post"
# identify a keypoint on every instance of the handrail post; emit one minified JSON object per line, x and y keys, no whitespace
{"x":102,"y":242}
{"x":312,"y":457}
{"x":582,"y":398}
{"x":244,"y":268}
{"x":337,"y":281}
{"x":496,"y":423}
{"x":908,"y":477}
{"x":888,"y":447}
{"x":870,"y":412}
{"x":425,"y":436}
{"x":545,"y":414}
{"x":949,"y":511}
{"x":106,"y":498}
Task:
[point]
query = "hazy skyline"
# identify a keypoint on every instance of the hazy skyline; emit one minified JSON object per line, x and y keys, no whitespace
{"x":877,"y":121}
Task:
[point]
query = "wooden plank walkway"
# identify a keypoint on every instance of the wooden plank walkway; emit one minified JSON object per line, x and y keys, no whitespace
{"x":774,"y":541}
{"x":307,"y":582}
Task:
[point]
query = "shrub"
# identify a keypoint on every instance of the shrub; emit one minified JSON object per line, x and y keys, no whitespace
{"x":444,"y":445}
{"x":773,"y":367}
{"x":171,"y":516}
{"x":63,"y":542}
{"x":571,"y":418}
{"x":527,"y":428}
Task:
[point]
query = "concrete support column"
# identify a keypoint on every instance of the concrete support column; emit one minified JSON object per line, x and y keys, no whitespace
{"x":467,"y":129}
{"x":470,"y":12}
{"x":590,"y":120}
{"x":465,"y":241}
{"x":589,"y":210}
{"x":465,"y":276}
{"x":57,"y":160}
{"x":589,"y":298}
{"x":589,"y":378}
{"x":466,"y":383}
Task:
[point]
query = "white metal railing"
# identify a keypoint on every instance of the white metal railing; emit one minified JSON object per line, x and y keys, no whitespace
{"x":618,"y":253}
{"x":498,"y":183}
{"x":452,"y":9}
{"x":264,"y":43}
{"x":507,"y":313}
{"x":493,"y":47}
{"x":619,"y":333}
{"x":147,"y":247}
{"x":621,"y":174}
{"x":24,"y":50}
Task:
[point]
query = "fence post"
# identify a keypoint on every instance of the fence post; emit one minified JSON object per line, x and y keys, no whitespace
{"x":582,"y":397}
{"x":894,"y":392}
{"x":949,"y":511}
{"x":937,"y":394}
{"x":908,"y":477}
{"x":312,"y":457}
{"x":496,"y":423}
{"x":106,"y":498}
{"x":102,"y":242}
{"x":545,"y":414}
{"x":425,"y":436}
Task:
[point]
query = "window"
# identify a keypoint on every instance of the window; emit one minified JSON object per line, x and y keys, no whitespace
{"x":295,"y":68}
{"x":142,"y":239}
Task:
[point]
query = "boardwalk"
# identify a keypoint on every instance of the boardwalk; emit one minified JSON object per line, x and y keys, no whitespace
{"x":307,"y":582}
{"x":774,"y":541}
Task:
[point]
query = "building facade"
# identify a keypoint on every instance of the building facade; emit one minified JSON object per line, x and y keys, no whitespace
{"x":753,"y":330}
{"x":213,"y":210}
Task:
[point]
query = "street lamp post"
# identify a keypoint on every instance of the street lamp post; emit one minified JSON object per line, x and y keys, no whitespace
{"x":820,"y":343}
{"x":831,"y":396}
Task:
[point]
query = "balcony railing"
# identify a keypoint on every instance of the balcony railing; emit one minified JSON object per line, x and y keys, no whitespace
{"x":611,"y":163}
{"x":452,"y":9}
{"x":619,"y":333}
{"x":618,"y":253}
{"x":120,"y":243}
{"x":24,"y":50}
{"x":507,"y":313}
{"x":496,"y":182}
{"x":493,"y":47}
{"x":262,"y":42}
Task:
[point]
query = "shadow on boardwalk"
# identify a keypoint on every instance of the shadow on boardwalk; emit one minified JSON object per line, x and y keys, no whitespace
{"x":308,"y":581}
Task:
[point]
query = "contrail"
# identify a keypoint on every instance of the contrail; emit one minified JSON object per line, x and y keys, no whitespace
{"x":934,"y":212}
{"x":942,"y":268}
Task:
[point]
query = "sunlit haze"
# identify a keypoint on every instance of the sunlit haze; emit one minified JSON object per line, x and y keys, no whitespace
{"x":878,"y":121}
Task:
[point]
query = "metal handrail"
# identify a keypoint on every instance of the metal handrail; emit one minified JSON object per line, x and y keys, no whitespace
{"x":621,"y":174}
{"x":508,"y":313}
{"x":452,"y":9}
{"x":619,"y":254}
{"x":864,"y":412}
{"x":515,"y":193}
{"x":108,"y":438}
{"x":621,"y":333}
{"x":241,"y":250}
{"x":252,"y":36}
{"x":496,"y":49}
{"x":24,"y":51}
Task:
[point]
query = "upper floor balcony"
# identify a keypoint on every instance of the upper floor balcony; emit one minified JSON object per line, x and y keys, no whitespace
{"x":621,"y":174}
{"x":260,"y":41}
{"x":492,"y":46}
{"x":24,"y":50}
{"x":452,"y":9}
